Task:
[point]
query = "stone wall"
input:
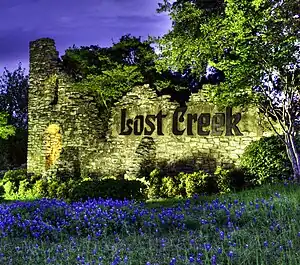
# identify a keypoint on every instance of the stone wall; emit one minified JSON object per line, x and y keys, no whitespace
{"x":86,"y":144}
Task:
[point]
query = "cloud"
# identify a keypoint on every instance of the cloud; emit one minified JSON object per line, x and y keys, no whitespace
{"x":81,"y":22}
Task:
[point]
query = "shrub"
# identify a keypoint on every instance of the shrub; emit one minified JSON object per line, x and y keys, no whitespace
{"x":155,"y":183}
{"x":170,"y":187}
{"x":25,"y":188}
{"x":195,"y":183}
{"x":183,"y":185}
{"x":11,"y":181}
{"x":109,"y":188}
{"x":15,"y":176}
{"x":266,"y":160}
{"x":40,"y":188}
{"x":228,"y":180}
{"x":223,"y":181}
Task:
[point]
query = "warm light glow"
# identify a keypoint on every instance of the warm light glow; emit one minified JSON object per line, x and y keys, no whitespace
{"x":53,"y":144}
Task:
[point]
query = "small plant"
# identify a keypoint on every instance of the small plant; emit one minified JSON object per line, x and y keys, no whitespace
{"x":223,"y":180}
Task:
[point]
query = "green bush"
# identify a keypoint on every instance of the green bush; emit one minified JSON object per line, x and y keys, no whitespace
{"x":185,"y":184}
{"x":11,"y":181}
{"x":40,"y":188}
{"x":109,"y":188}
{"x":223,"y":181}
{"x":196,"y":183}
{"x":171,"y":187}
{"x":20,"y":185}
{"x":266,"y":161}
{"x":155,"y":184}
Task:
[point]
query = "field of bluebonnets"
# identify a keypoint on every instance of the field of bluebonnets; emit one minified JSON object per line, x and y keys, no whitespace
{"x":258,"y":226}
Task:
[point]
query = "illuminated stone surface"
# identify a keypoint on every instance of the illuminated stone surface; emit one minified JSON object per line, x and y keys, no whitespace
{"x":79,"y":139}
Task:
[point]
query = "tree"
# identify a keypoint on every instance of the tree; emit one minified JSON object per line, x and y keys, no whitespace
{"x":111,"y":71}
{"x":114,"y":71}
{"x":254,"y":43}
{"x":13,"y":117}
{"x":14,"y":96}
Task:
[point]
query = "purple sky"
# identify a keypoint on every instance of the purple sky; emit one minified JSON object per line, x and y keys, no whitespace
{"x":68,"y":22}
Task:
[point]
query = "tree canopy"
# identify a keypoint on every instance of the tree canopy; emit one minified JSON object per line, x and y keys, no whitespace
{"x":13,"y":101}
{"x":14,"y":96}
{"x":113,"y":71}
{"x":255,"y":43}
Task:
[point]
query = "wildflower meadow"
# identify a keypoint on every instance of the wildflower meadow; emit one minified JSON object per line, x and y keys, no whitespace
{"x":257,"y":226}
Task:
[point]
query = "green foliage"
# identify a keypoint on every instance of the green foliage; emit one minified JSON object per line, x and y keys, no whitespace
{"x":40,"y":188}
{"x":228,"y":180}
{"x":13,"y":117}
{"x":223,"y":180}
{"x":155,"y":183}
{"x":5,"y":130}
{"x":254,"y":43}
{"x":14,"y":177}
{"x":113,"y":71}
{"x":195,"y":183}
{"x":171,"y":187}
{"x":109,"y":73}
{"x":245,"y":39}
{"x":19,"y":185}
{"x":109,"y":188}
{"x":185,"y":185}
{"x":13,"y":150}
{"x":2,"y":192}
{"x":14,"y":97}
{"x":94,"y":60}
{"x":266,"y":160}
{"x":112,"y":84}
{"x":182,"y":185}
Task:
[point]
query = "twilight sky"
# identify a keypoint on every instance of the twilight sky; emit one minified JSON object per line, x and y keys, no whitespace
{"x":68,"y":22}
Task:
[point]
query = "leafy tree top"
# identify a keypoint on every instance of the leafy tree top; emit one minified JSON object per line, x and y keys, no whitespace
{"x":247,"y":40}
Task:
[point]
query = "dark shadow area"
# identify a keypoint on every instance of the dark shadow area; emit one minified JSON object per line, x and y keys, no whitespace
{"x":187,"y":165}
{"x":69,"y":165}
{"x":13,"y":151}
{"x":183,"y":84}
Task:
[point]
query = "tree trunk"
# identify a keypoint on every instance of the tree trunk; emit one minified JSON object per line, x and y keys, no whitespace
{"x":293,"y":155}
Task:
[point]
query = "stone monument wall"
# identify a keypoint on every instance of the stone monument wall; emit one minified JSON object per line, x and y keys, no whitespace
{"x":66,"y":128}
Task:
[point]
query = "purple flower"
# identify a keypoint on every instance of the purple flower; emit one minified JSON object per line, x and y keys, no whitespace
{"x":173,"y":261}
{"x":207,"y":246}
{"x":221,"y":235}
{"x":213,"y":260}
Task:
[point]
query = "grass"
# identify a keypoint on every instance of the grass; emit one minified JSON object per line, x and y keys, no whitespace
{"x":259,"y":226}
